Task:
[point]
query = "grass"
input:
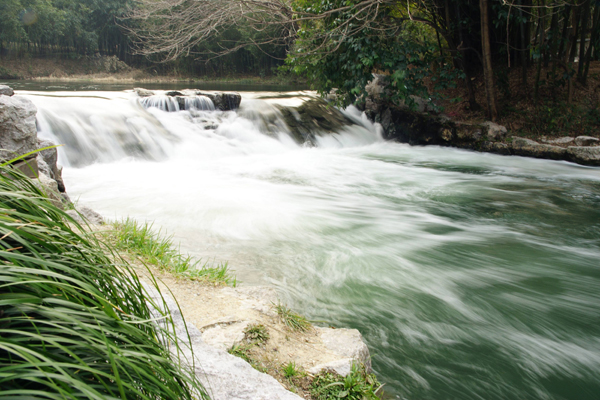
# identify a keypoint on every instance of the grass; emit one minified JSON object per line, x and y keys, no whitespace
{"x":290,"y":370}
{"x":73,"y":324}
{"x":358,"y":385}
{"x":256,"y":333}
{"x":152,"y":248}
{"x":291,"y":320}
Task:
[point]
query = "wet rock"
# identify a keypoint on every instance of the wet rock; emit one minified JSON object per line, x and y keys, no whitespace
{"x":50,"y":188}
{"x":348,"y":344}
{"x":6,"y":90}
{"x":530,"y":148}
{"x":585,"y":155}
{"x":586,"y":141}
{"x":226,"y":101}
{"x":84,"y":214}
{"x":174,"y":93}
{"x":18,"y":133}
{"x":314,"y":116}
{"x":143,"y":92}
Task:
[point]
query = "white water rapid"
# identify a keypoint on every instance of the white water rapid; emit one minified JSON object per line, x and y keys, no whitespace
{"x":471,"y":276}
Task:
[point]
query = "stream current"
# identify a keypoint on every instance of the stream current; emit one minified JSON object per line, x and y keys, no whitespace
{"x":471,"y":276}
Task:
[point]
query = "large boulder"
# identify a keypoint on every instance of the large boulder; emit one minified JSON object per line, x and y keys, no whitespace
{"x":584,"y":155}
{"x":47,"y":161}
{"x":18,"y":133}
{"x":348,"y":344}
{"x":313,"y":116}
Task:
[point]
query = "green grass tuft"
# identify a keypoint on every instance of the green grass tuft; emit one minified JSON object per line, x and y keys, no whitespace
{"x":290,"y":370}
{"x":141,"y":240}
{"x":358,"y":385}
{"x":73,"y":325}
{"x":291,"y":320}
{"x":256,"y":333}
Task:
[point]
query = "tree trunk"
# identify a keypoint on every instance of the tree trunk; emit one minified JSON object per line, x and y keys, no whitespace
{"x":487,"y":61}
{"x":576,"y":20}
{"x":585,"y":12}
{"x":593,"y":35}
{"x":524,"y":48}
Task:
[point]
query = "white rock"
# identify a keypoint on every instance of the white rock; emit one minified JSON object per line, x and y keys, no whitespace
{"x":586,"y":141}
{"x":225,"y":336}
{"x":225,"y":377}
{"x":562,"y":140}
{"x":495,"y":131}
{"x":348,"y":344}
{"x":85,"y":214}
{"x":6,"y":90}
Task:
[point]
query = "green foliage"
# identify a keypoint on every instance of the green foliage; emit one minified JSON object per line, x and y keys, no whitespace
{"x":290,"y":370}
{"x":331,"y":59}
{"x":141,"y":240}
{"x":72,"y":323}
{"x":291,"y":320}
{"x":358,"y":385}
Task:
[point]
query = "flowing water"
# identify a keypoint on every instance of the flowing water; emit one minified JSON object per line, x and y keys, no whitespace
{"x":471,"y":276}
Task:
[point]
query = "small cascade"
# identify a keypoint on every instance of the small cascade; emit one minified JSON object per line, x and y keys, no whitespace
{"x":162,"y":102}
{"x":201,"y":103}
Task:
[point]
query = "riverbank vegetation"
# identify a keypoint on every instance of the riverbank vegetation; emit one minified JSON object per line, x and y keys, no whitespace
{"x":75,"y":320}
{"x":534,"y":62}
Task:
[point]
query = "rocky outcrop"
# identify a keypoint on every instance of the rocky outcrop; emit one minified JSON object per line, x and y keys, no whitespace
{"x":18,"y":133}
{"x":420,"y":125}
{"x":224,"y":376}
{"x":86,"y":215}
{"x":18,"y":136}
{"x":313,"y":117}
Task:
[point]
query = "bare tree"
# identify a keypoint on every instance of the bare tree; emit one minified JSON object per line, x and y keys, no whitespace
{"x":173,"y":28}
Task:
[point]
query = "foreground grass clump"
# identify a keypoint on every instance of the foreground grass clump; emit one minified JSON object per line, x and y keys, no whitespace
{"x":152,"y":248}
{"x":293,"y":321}
{"x":73,"y":325}
{"x":358,"y":385}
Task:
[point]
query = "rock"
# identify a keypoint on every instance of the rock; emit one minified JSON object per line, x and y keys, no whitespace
{"x":376,"y":89}
{"x":584,"y":155}
{"x":50,"y":188}
{"x":6,"y":90}
{"x":50,"y":158}
{"x":530,"y":148}
{"x":143,"y":92}
{"x":18,"y":133}
{"x":495,"y":147}
{"x":86,"y":215}
{"x":468,"y":132}
{"x":586,"y":141}
{"x":313,"y":117}
{"x":562,"y":140}
{"x":226,"y":101}
{"x":225,"y":335}
{"x":224,"y":376}
{"x":174,"y":93}
{"x":348,"y":344}
{"x":495,"y":131}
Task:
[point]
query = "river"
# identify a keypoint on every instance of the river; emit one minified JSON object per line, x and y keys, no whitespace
{"x":471,"y":276}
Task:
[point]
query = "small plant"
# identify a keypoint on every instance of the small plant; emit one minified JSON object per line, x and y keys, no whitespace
{"x":291,"y":320}
{"x":358,"y":385}
{"x":243,"y":351}
{"x":153,"y":248}
{"x":256,"y":333}
{"x":290,"y":370}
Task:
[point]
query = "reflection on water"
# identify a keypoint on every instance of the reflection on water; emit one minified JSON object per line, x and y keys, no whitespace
{"x":471,"y":276}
